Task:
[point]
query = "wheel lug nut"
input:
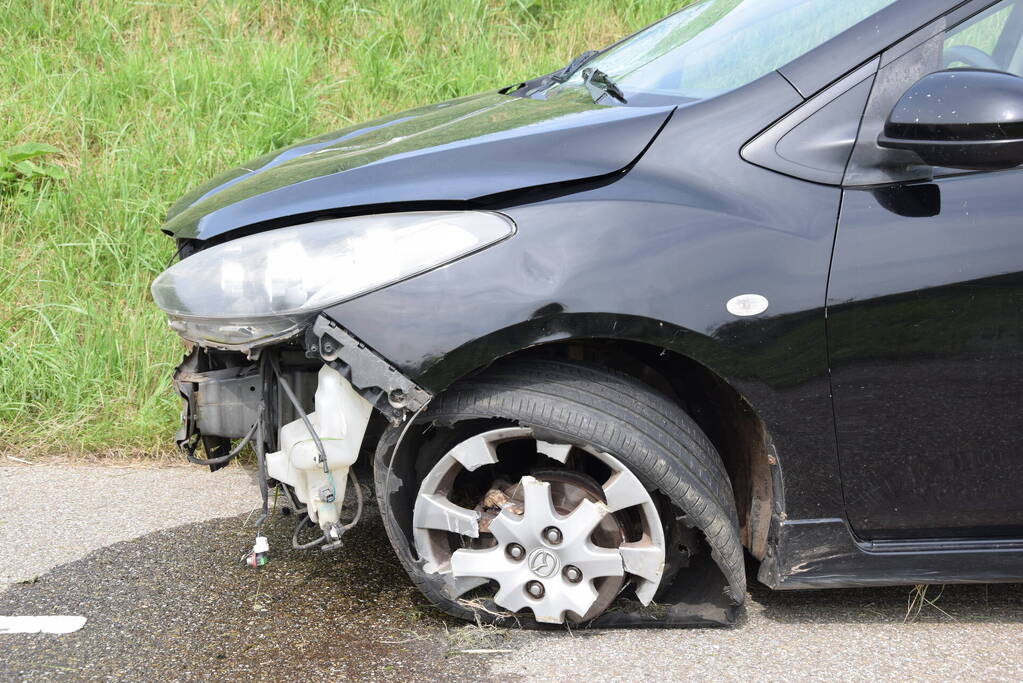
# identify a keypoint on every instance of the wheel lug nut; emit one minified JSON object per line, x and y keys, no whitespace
{"x":516,"y":551}
{"x":573,"y":574}
{"x":552,"y":535}
{"x":535,"y":589}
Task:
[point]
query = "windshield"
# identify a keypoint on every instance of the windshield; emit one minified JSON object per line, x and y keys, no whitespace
{"x":719,"y":45}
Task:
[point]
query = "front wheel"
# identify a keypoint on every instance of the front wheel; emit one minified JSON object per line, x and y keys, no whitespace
{"x":549,"y":489}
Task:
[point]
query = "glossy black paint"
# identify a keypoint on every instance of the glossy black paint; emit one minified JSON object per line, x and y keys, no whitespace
{"x":454,"y":151}
{"x":586,"y":266}
{"x":640,"y":224}
{"x":960,"y":118}
{"x":925,"y":325}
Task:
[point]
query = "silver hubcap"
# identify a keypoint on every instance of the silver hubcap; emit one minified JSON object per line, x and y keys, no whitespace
{"x":541,"y":558}
{"x":557,"y":595}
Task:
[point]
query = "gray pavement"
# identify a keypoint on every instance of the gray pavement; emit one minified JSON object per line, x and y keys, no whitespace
{"x":52,"y":515}
{"x":150,"y":556}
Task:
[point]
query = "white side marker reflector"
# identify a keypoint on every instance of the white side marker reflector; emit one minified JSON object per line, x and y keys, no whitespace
{"x":49,"y":624}
{"x":746,"y":305}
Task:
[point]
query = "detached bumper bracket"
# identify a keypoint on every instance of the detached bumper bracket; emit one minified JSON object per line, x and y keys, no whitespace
{"x":379,"y":382}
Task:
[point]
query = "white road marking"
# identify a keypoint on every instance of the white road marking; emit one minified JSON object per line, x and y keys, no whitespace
{"x":46,"y":624}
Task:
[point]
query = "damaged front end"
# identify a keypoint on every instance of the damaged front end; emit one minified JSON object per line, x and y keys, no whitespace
{"x":265,"y":255}
{"x":304,"y":407}
{"x":268,"y":369}
{"x":311,"y":406}
{"x":241,"y":300}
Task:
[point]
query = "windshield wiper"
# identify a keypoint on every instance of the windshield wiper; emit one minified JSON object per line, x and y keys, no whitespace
{"x":564,"y":74}
{"x":600,"y":84}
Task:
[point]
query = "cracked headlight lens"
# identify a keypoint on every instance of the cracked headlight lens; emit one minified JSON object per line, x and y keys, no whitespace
{"x":258,"y":289}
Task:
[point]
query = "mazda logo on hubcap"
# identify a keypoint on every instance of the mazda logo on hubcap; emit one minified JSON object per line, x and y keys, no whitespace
{"x":543,"y":563}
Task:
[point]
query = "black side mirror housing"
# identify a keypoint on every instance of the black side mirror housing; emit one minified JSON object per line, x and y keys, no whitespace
{"x":960,"y":118}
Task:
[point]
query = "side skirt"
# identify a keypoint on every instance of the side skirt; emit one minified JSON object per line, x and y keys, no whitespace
{"x":823,"y":553}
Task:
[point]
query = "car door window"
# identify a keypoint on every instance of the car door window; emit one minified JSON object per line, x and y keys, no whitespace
{"x":985,"y":41}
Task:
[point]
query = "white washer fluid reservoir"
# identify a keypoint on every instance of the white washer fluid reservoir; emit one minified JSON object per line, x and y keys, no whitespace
{"x":340,"y":418}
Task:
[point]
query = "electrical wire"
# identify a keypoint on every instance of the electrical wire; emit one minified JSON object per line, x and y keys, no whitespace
{"x":305,"y":520}
{"x":295,"y":507}
{"x":358,"y":502}
{"x":397,"y":445}
{"x":383,"y":496}
{"x":220,"y":460}
{"x":302,"y":523}
{"x":323,"y":459}
{"x":301,"y":412}
{"x":264,"y":488}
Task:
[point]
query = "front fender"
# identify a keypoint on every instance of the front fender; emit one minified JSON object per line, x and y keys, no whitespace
{"x":583,"y":267}
{"x":604,"y":265}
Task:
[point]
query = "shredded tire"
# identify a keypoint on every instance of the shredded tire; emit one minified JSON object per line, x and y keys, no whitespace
{"x":587,"y":404}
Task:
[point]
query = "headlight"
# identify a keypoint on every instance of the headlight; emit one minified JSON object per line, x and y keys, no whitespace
{"x":260,"y":288}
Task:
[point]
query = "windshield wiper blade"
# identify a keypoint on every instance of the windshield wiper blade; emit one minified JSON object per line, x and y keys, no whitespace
{"x":564,"y":74}
{"x":600,"y":84}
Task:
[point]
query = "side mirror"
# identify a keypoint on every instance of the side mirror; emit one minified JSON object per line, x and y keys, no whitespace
{"x":960,"y":118}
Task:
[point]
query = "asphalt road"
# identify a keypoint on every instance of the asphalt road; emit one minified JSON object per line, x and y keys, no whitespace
{"x":151,"y":558}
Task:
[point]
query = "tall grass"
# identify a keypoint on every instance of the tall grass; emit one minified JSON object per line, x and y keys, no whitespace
{"x":144,"y":100}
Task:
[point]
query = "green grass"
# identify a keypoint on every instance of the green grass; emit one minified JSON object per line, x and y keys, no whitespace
{"x":144,"y":100}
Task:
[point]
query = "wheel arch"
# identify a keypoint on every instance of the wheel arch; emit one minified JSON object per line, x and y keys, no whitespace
{"x":688,"y":367}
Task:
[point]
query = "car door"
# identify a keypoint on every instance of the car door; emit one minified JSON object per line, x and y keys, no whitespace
{"x":925,"y":319}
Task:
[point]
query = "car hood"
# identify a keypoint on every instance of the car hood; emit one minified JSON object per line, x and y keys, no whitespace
{"x":460,"y":150}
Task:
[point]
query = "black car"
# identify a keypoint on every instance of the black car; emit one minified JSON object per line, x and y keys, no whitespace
{"x":741,"y":292}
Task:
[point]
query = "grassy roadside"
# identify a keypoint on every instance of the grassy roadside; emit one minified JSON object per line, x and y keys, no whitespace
{"x":144,"y":100}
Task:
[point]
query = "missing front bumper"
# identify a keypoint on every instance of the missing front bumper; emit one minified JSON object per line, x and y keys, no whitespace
{"x":223,"y":392}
